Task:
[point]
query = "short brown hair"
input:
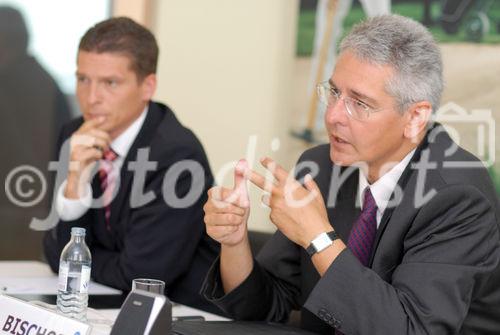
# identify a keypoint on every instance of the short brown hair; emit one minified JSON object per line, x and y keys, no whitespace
{"x":124,"y":35}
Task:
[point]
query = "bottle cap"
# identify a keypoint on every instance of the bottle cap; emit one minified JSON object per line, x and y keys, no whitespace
{"x":78,"y":231}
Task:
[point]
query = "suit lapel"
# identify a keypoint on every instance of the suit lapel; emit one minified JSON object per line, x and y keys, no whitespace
{"x":143,"y":140}
{"x":402,"y":183}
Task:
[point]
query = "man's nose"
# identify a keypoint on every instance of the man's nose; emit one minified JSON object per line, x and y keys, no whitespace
{"x":94,"y":95}
{"x":336,"y":112}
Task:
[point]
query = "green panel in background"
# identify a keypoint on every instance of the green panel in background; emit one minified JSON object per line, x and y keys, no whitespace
{"x":305,"y":35}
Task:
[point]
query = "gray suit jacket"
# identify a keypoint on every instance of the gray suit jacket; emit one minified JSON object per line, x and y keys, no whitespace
{"x":434,"y":268}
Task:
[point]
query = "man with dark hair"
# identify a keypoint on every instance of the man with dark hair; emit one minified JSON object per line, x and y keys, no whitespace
{"x":139,"y":44}
{"x":134,"y":228}
{"x":420,"y":257}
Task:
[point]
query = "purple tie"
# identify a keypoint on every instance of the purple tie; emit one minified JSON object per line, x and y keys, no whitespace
{"x":364,"y":229}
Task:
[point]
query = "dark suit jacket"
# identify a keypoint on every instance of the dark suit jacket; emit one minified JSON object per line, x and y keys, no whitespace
{"x":156,"y":240}
{"x":434,"y":268}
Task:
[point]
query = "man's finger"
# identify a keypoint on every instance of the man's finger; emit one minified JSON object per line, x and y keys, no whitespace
{"x":278,"y":172}
{"x":223,"y":194}
{"x":99,"y":144}
{"x":219,"y":233}
{"x":90,"y":155}
{"x":260,"y":181}
{"x":310,"y":184}
{"x":221,"y":199}
{"x":98,"y":133}
{"x":223,"y":219}
{"x":227,"y":208}
{"x":92,"y":123}
{"x":89,"y":140}
{"x":218,"y":192}
{"x":216,"y":206}
{"x":240,"y":184}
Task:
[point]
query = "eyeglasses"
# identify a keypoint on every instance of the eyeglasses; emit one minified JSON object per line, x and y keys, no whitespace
{"x":356,"y":109}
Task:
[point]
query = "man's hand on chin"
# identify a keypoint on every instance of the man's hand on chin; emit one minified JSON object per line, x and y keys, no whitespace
{"x":87,"y":145}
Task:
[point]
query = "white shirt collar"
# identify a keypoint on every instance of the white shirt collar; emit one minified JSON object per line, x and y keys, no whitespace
{"x":121,"y":145}
{"x":384,"y":186}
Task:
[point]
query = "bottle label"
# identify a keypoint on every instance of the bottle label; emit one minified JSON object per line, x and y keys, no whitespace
{"x":85,"y":279}
{"x":73,"y":281}
{"x":63,"y":276}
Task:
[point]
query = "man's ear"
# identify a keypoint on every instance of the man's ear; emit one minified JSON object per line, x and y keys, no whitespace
{"x":418,"y":115}
{"x":148,"y":86}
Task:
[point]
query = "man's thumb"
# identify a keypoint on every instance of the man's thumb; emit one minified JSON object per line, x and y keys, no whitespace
{"x":310,"y":184}
{"x":240,"y":183}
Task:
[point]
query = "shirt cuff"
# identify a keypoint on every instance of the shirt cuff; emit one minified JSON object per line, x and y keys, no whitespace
{"x":235,"y":303}
{"x":73,"y":209}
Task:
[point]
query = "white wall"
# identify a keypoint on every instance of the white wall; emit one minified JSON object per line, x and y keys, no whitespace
{"x":54,"y":37}
{"x":138,"y":10}
{"x":226,"y":68}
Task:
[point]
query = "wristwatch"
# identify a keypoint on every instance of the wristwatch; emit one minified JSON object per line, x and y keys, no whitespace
{"x":321,"y":242}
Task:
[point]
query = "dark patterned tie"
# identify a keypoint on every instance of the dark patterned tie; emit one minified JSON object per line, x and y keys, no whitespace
{"x":364,"y":229}
{"x":108,"y":179}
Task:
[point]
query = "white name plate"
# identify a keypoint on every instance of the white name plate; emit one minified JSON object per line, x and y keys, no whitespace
{"x":21,"y":318}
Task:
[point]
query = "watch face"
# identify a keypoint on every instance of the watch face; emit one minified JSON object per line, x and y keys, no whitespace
{"x":321,"y":242}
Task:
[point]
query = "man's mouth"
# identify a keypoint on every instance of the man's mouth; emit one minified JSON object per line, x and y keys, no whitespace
{"x":95,"y":115}
{"x":338,"y":140}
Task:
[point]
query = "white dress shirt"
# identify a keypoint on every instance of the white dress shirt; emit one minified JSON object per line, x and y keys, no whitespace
{"x":384,"y":186}
{"x":72,"y":209}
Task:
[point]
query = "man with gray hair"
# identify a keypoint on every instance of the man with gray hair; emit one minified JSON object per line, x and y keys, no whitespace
{"x":392,"y":228}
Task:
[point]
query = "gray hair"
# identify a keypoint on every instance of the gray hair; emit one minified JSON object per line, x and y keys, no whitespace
{"x":406,"y":46}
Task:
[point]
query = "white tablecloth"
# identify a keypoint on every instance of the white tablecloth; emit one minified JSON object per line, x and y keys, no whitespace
{"x":32,"y":277}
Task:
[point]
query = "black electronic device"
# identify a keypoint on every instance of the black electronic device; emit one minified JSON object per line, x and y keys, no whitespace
{"x":144,"y":313}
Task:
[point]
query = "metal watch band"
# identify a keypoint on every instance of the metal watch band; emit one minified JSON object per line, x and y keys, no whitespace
{"x":311,"y":249}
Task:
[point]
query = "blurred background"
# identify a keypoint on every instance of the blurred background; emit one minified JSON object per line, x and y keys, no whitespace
{"x":237,"y":72}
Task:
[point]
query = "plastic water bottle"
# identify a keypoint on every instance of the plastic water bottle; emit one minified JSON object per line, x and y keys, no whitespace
{"x":74,"y":276}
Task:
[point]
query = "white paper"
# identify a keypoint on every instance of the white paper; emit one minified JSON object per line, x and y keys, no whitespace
{"x":24,"y":269}
{"x":18,"y":315}
{"x":36,"y":278}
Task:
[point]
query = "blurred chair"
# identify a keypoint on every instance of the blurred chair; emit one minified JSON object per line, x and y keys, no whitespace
{"x":32,"y":109}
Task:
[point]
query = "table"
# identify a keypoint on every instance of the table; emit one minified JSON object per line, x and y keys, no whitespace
{"x":34,"y":281}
